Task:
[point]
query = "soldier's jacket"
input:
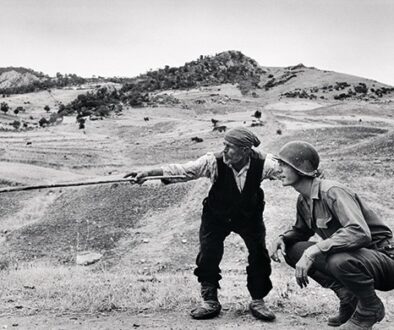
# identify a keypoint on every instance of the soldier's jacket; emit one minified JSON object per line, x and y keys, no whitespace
{"x":339,"y":217}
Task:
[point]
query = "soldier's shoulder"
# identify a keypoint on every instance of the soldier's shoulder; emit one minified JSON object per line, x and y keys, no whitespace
{"x":326,"y":185}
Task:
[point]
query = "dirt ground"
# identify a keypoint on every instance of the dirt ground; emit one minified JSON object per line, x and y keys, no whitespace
{"x":171,"y":320}
{"x":154,"y":225}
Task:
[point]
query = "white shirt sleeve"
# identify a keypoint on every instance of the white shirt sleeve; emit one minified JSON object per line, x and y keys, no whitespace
{"x":271,"y":168}
{"x":203,"y":167}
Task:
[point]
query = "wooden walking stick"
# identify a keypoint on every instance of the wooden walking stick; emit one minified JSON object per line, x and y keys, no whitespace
{"x":86,"y":183}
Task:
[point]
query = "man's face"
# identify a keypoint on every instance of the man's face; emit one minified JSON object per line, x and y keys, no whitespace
{"x":233,"y":154}
{"x":288,"y":175}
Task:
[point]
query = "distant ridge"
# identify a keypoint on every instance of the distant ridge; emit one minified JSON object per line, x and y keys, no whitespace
{"x":229,"y":67}
{"x":19,"y":80}
{"x":23,"y":70}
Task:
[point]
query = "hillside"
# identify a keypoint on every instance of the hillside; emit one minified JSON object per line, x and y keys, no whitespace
{"x":310,"y":83}
{"x":12,"y":78}
{"x":19,"y":80}
{"x":107,"y":96}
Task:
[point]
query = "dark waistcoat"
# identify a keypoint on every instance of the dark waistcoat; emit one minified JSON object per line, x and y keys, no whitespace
{"x":225,"y":201}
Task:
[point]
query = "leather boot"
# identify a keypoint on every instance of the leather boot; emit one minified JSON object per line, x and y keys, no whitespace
{"x":260,"y":311}
{"x":368,"y":312}
{"x":210,"y":306}
{"x":347,"y":306}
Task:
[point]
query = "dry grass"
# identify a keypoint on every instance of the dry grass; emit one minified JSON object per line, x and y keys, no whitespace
{"x":43,"y":287}
{"x":66,"y":290}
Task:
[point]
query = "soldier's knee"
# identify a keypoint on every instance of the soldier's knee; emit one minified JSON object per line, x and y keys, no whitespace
{"x":338,"y":263}
{"x":293,"y":254}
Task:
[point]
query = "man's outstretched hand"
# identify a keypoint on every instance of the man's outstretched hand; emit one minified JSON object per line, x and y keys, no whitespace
{"x":139,"y":177}
{"x":131,"y":175}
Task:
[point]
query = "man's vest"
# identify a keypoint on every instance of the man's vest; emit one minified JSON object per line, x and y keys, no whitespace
{"x":225,"y":201}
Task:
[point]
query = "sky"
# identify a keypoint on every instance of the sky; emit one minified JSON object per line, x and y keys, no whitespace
{"x":125,"y":38}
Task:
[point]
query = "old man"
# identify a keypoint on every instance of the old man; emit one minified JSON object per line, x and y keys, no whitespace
{"x":235,"y":203}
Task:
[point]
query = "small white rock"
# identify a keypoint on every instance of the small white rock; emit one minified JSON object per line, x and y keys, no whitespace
{"x":88,"y":258}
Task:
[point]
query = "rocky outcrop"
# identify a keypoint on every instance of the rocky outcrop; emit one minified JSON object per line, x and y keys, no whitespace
{"x":12,"y":79}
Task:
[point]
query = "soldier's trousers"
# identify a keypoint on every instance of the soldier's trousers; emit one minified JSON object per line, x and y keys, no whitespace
{"x":360,"y":270}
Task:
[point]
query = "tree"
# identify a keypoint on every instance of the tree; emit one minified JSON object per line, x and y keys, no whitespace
{"x":16,"y":124}
{"x":4,"y":107}
{"x":43,"y":122}
{"x":81,"y":122}
{"x":47,"y":108}
{"x":257,"y":114}
{"x":19,"y":109}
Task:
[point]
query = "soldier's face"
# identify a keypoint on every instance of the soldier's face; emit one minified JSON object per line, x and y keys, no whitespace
{"x":288,"y":175}
{"x":233,"y":154}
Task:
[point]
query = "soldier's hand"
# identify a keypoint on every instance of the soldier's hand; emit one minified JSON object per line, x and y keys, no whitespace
{"x":279,"y":244}
{"x":301,"y":270}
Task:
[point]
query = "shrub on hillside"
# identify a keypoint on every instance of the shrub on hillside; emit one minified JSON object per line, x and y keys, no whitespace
{"x":43,"y":122}
{"x":4,"y":107}
{"x":16,"y":124}
{"x":19,"y":109}
{"x":361,"y":88}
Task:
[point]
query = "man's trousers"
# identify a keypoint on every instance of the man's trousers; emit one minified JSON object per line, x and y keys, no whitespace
{"x":213,"y":232}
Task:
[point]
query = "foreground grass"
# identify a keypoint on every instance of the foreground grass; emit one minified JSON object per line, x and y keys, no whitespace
{"x":34,"y":288}
{"x":67,"y":290}
{"x":59,"y":290}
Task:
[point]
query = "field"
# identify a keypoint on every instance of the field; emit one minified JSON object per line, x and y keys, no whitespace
{"x":148,"y":235}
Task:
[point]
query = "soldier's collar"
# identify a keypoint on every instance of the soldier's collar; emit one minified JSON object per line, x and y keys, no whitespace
{"x":315,"y":189}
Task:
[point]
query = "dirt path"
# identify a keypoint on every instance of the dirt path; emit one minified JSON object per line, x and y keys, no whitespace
{"x":181,"y":320}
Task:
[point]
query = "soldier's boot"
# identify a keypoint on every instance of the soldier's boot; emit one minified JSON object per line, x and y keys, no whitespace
{"x":210,"y":306}
{"x":368,"y":312}
{"x":347,"y":306}
{"x":260,"y":310}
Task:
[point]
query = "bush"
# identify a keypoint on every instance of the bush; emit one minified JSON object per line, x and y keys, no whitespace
{"x":16,"y":124}
{"x":361,"y":88}
{"x":43,"y":122}
{"x":4,"y":107}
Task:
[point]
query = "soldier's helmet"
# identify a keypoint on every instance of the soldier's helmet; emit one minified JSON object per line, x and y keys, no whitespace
{"x":301,"y":156}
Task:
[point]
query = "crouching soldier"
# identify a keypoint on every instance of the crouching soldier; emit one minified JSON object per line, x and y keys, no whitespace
{"x":235,"y":203}
{"x":356,"y":254}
